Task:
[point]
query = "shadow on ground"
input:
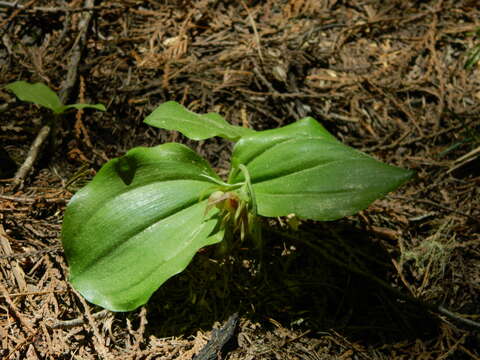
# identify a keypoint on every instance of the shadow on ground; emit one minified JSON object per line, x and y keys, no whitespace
{"x":291,"y":285}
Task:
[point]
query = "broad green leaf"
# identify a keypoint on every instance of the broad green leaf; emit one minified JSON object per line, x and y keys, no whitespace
{"x":137,"y":223}
{"x":41,"y":94}
{"x":100,"y":107}
{"x":173,"y":116}
{"x":302,"y":169}
{"x":37,"y":93}
{"x":307,"y":127}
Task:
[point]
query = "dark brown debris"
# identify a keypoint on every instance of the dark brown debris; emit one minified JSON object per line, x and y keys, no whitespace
{"x":386,"y":77}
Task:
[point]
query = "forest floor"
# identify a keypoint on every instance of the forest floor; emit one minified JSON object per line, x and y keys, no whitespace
{"x":399,"y":80}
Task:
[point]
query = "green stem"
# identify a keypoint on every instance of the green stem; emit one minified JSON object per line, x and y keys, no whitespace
{"x":226,"y":186}
{"x":54,"y":122}
{"x":251,"y":193}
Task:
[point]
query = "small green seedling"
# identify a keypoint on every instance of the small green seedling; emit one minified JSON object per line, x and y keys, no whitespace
{"x":473,"y":55}
{"x":143,"y":217}
{"x":42,"y":95}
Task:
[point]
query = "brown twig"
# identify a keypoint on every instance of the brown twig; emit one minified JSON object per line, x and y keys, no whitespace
{"x":25,"y":8}
{"x":21,"y":344}
{"x":32,"y":155}
{"x":16,"y":12}
{"x":24,"y":322}
{"x":254,"y":27}
{"x":16,"y":269}
{"x":433,"y":203}
{"x":30,"y":200}
{"x":418,"y":139}
{"x":100,"y":342}
{"x":65,"y":92}
{"x":301,"y":238}
{"x":34,"y":293}
{"x":66,"y":324}
{"x":49,"y":250}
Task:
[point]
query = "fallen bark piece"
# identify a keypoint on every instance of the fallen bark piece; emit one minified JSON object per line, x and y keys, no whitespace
{"x":220,"y":337}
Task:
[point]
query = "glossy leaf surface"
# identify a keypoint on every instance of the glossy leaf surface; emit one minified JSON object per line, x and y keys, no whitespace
{"x":173,"y":116}
{"x":304,"y":170}
{"x":137,"y":223}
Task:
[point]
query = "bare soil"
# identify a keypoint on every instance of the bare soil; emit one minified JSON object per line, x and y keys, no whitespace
{"x":388,"y":78}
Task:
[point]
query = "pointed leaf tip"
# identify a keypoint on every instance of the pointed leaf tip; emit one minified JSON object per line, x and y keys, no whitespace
{"x":173,"y":116}
{"x":302,"y":169}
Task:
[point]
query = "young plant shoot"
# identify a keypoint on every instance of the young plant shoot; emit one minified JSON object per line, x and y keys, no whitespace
{"x":42,"y":95}
{"x":143,"y":217}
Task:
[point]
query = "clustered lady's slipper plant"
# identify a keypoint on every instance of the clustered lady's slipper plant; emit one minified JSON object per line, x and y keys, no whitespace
{"x":144,"y":215}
